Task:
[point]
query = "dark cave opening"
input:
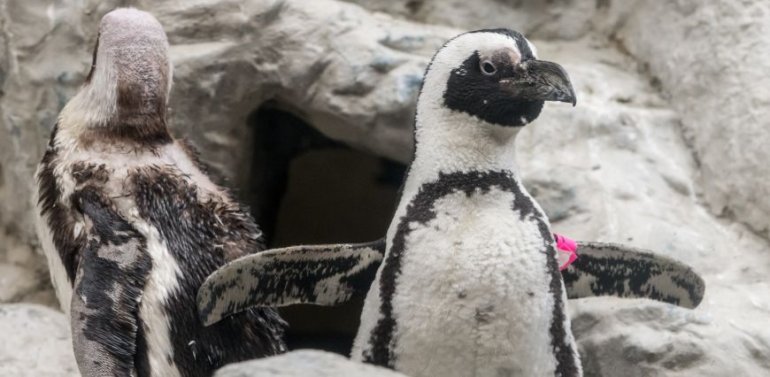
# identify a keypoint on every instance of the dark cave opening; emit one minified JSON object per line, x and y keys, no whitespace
{"x":308,"y":189}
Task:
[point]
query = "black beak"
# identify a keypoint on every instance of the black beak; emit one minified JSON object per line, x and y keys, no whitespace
{"x":540,"y":80}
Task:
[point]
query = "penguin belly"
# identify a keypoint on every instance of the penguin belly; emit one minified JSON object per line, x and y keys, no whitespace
{"x":472,"y":298}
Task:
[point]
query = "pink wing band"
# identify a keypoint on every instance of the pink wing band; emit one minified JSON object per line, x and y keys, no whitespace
{"x":567,"y":250}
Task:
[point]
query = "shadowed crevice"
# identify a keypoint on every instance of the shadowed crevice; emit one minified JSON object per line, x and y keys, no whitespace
{"x":306,"y":188}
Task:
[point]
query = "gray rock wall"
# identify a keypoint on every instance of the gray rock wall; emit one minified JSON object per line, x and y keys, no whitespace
{"x":665,"y":150}
{"x":36,"y":342}
{"x":712,"y":62}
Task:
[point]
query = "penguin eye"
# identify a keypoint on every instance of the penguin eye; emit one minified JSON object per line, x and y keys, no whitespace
{"x":488,"y":68}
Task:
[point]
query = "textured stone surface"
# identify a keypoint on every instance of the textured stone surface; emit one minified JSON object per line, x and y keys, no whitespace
{"x":716,"y":78}
{"x":644,"y":339}
{"x":617,"y":168}
{"x":15,"y":281}
{"x":36,"y":342}
{"x":562,"y":19}
{"x":669,"y":131}
{"x":304,"y":363}
{"x":23,"y":274}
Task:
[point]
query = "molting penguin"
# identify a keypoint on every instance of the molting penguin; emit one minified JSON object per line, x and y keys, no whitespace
{"x":469,"y":284}
{"x":131,"y":224}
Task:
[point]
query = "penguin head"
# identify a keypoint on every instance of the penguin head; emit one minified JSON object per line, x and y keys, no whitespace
{"x":130,"y":77}
{"x":494,"y":76}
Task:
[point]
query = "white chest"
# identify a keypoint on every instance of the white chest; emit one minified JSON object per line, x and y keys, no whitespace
{"x":472,"y":297}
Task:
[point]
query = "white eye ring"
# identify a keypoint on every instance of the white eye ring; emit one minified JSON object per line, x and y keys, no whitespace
{"x":488,"y":68}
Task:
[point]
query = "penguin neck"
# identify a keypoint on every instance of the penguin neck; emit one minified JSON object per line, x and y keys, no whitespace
{"x":120,"y":104}
{"x":449,"y":141}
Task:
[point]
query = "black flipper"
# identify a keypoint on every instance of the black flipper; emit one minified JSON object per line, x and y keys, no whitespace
{"x":304,"y":275}
{"x":606,"y":269}
{"x":320,"y":275}
{"x":111,"y":274}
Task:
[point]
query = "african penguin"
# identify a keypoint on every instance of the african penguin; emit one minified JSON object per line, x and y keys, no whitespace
{"x":469,"y":284}
{"x":466,"y":281}
{"x":131,"y":224}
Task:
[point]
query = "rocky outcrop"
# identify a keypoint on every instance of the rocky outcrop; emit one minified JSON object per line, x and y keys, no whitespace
{"x":667,"y":133}
{"x":36,"y":342}
{"x":711,"y":60}
{"x":304,"y":363}
{"x":23,"y":274}
{"x":621,"y":338}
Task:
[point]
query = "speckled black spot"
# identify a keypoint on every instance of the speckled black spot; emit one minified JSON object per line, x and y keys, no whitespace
{"x":84,"y":172}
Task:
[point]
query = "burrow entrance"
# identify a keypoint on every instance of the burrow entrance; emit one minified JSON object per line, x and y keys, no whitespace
{"x":307,"y":189}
